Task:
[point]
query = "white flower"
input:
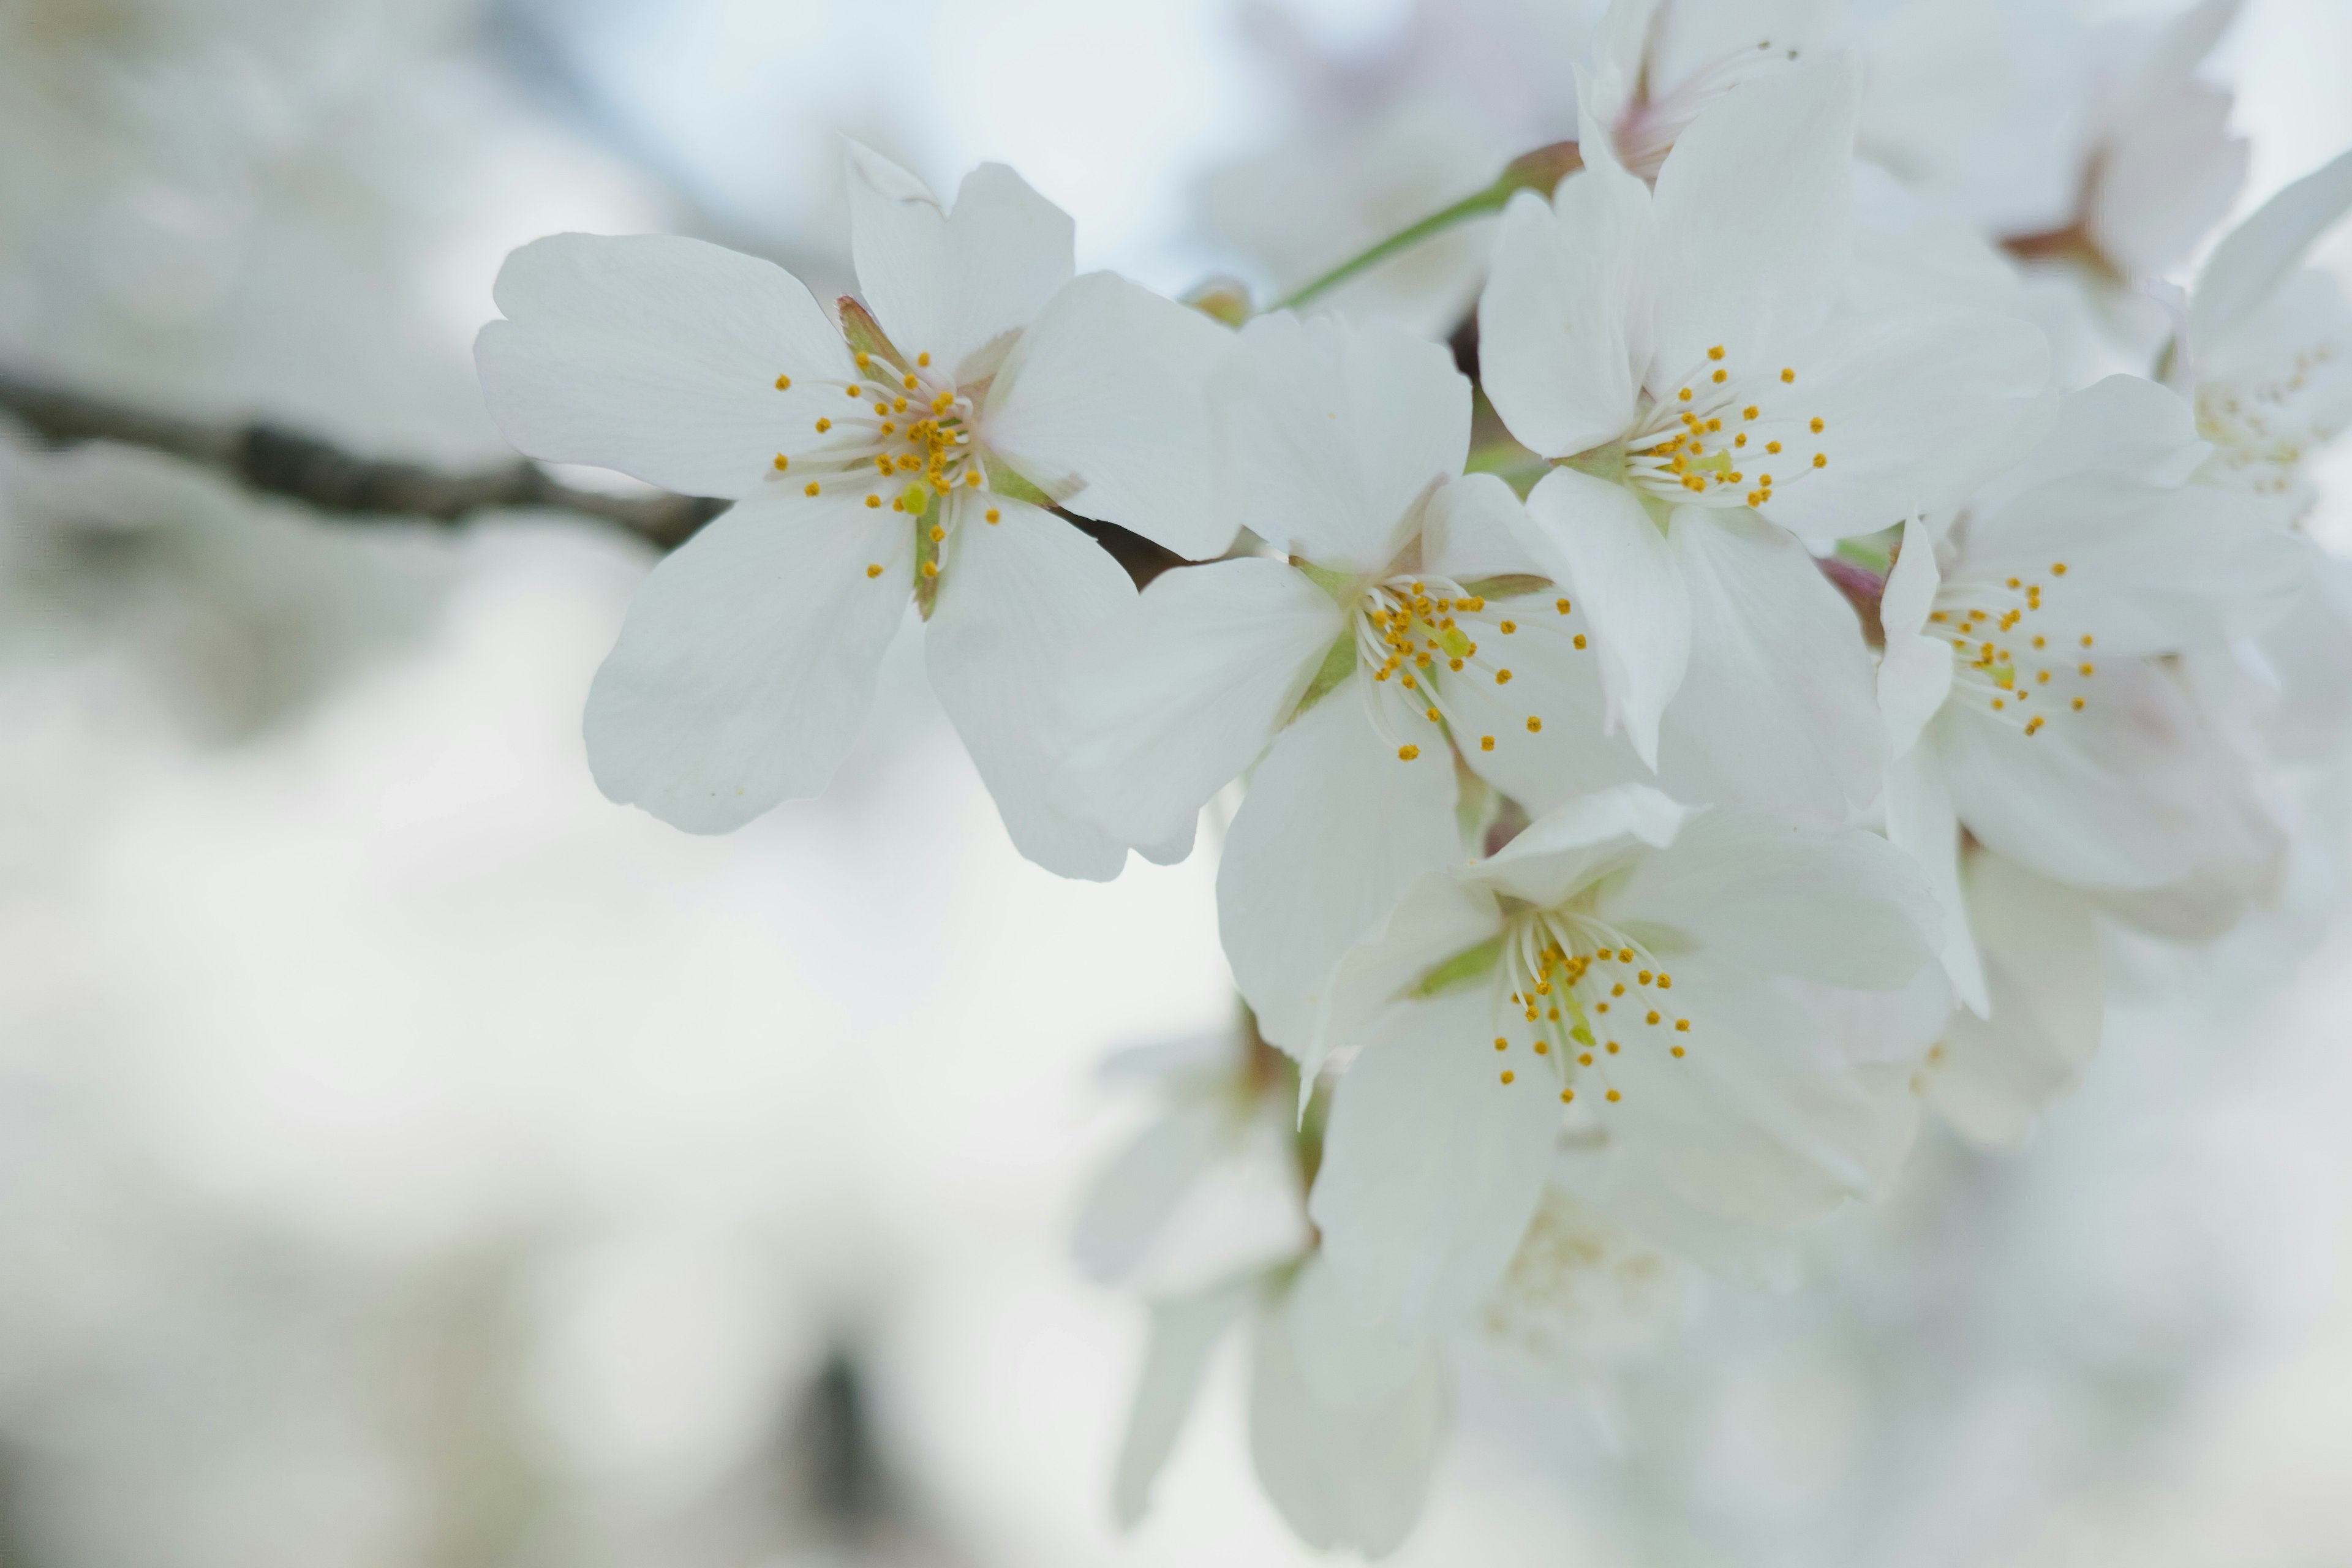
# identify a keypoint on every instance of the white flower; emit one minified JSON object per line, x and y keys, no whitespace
{"x":1405,"y":638}
{"x":1663,"y":61}
{"x":908,"y":452}
{"x":1680,"y":350}
{"x":2024,"y":698}
{"x":2269,"y":343}
{"x":1623,"y":970}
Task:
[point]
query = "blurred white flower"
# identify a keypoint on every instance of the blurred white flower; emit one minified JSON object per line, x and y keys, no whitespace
{"x":913,"y":451}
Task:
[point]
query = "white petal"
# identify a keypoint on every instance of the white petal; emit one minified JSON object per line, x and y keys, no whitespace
{"x":1914,"y":673}
{"x":657,"y":357}
{"x":1552,"y":680}
{"x":1763,"y":1120}
{"x":1348,"y":1360}
{"x":1104,"y":406}
{"x":1921,"y":823}
{"x":1014,"y":598}
{"x":2167,"y":174}
{"x":1184,"y":1334}
{"x":1168,"y":702}
{"x":746,"y":660}
{"x":2121,"y":425}
{"x":1343,"y":1480}
{"x":1328,"y":434}
{"x":2046,"y":976}
{"x":2108,"y":798}
{"x":1472,"y":527}
{"x":2255,"y":257}
{"x":1753,"y":211}
{"x":1836,"y":905}
{"x":1778,"y":707}
{"x":1432,"y":1167}
{"x":1573,"y":844}
{"x":949,"y":284}
{"x":1205,"y":1194}
{"x":1137,"y":1193}
{"x":1333,"y":830}
{"x":1618,"y":568}
{"x":1917,"y":409}
{"x":1553,"y":323}
{"x":1439,"y":916}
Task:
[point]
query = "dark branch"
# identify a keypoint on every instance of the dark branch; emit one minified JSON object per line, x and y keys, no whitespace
{"x":273,"y":460}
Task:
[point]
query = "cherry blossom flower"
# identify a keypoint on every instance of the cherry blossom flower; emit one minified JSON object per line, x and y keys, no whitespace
{"x":909,"y":451}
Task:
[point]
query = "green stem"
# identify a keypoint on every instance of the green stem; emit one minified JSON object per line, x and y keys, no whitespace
{"x":1538,"y":171}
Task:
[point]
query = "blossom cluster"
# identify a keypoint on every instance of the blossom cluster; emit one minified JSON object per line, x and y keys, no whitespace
{"x":1678,"y":729}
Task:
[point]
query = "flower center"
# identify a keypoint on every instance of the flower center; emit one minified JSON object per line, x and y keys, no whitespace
{"x":2004,"y":657}
{"x":904,"y":437}
{"x":1419,"y":637}
{"x":1726,"y":438}
{"x":2261,"y":429}
{"x":1574,"y":992}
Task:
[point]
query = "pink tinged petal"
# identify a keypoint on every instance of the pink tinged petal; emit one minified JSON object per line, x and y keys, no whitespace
{"x":1165,"y":703}
{"x":657,"y":357}
{"x":1570,"y":846}
{"x":1343,"y":1480}
{"x":1619,"y":570}
{"x":1104,"y":406}
{"x":1753,"y":219}
{"x":1185,"y":1332}
{"x":2256,"y":258}
{"x":1836,"y":905}
{"x":1015,"y":596}
{"x":950,"y":284}
{"x":1778,"y":708}
{"x":1432,"y":1165}
{"x":1764,"y":1119}
{"x":1921,"y":823}
{"x":746,"y":660}
{"x":1914,"y":673}
{"x":1917,"y":409}
{"x":2047,"y":983}
{"x":1333,"y":830}
{"x":1330,"y":435}
{"x":1553,"y":320}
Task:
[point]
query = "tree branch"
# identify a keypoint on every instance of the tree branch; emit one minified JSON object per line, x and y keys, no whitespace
{"x":272,"y":459}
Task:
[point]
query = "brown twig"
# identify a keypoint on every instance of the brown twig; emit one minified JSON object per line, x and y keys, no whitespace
{"x":272,"y":459}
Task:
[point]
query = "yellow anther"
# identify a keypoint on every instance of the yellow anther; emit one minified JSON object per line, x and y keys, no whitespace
{"x":1817,"y":430}
{"x":1716,"y":353}
{"x":1678,"y":1050}
{"x":1740,"y":439}
{"x":1684,"y":394}
{"x":1821,"y":459}
{"x":810,"y":488}
{"x":1580,"y":639}
{"x":1560,"y":605}
{"x":910,"y":382}
{"x":1407,"y":753}
{"x":783,"y":383}
{"x":971,"y":478}
{"x":1433,"y":715}
{"x":1721,"y":377}
{"x":2086,"y":639}
{"x":865,"y":360}
{"x":1567,"y":1097}
{"x":1652,"y":1017}
{"x":1534,"y":724}
{"x":1510,"y":627}
{"x":1751,"y":412}
{"x":1501,"y":1043}
{"x":1614,"y":1047}
{"x":1502,"y":677}
{"x":1543,"y":1047}
{"x":1788,"y":375}
{"x":1682,"y":1026}
{"x":930,"y":568}
{"x":822,"y":426}
{"x":938,"y":533}
{"x":1509,"y":1076}
{"x":1645,"y":977}
{"x":875,"y":502}
{"x":1714,"y":423}
{"x":2078,"y":705}
{"x":2033,"y":725}
{"x":1485,"y":743}
{"x":2039,"y":641}
{"x":1618,"y":989}
{"x":1614,"y":1097}
{"x":924,"y":358}
{"x":782,"y":462}
{"x":875,"y":570}
{"x":881,"y":408}
{"x":2057,"y":569}
{"x":1773,"y":446}
{"x":899,"y":405}
{"x":2085,"y":668}
{"x":855,"y":393}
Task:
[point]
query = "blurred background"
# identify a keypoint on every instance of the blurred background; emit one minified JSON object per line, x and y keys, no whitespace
{"x":408,"y":1158}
